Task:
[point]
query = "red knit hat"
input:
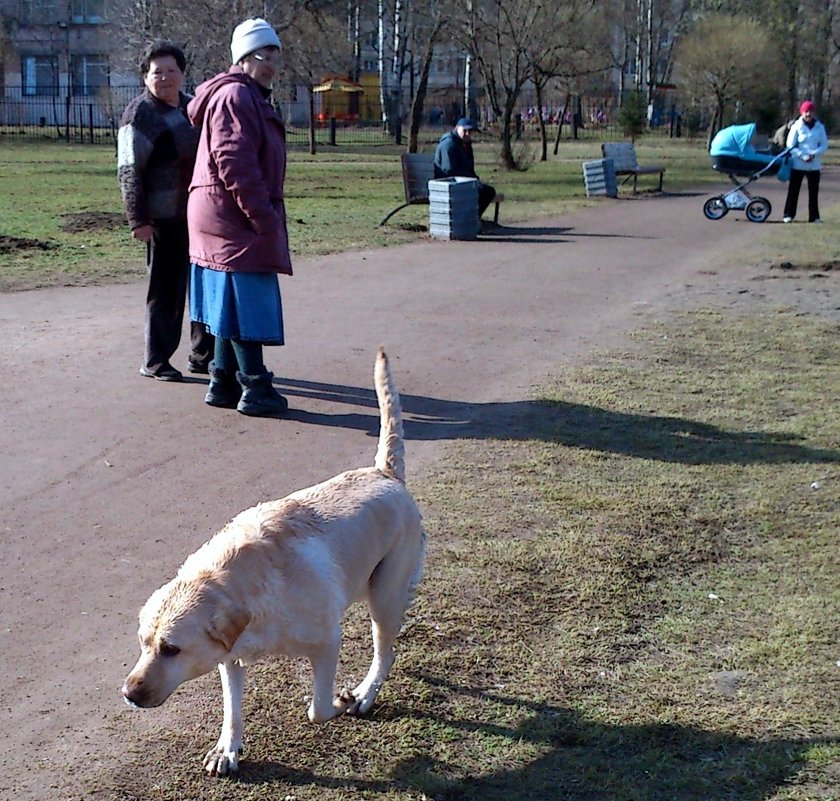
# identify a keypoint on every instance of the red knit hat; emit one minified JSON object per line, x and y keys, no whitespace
{"x":807,"y":106}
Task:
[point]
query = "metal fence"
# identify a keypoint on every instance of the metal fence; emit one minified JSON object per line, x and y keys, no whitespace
{"x":59,"y":115}
{"x":56,"y":113}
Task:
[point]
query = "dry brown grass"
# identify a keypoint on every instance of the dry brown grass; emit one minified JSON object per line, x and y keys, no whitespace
{"x":633,"y":594}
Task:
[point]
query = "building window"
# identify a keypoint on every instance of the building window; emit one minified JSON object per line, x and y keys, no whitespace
{"x":39,"y":75}
{"x":90,"y":73}
{"x":91,"y":12}
{"x":40,"y":12}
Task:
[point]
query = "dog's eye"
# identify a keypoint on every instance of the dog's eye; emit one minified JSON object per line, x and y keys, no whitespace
{"x":169,"y":650}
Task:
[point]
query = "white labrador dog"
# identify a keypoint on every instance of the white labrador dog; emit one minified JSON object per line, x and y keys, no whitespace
{"x":277,"y":580}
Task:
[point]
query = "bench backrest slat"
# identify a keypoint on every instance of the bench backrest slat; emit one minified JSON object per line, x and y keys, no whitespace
{"x":418,"y":169}
{"x":623,"y":155}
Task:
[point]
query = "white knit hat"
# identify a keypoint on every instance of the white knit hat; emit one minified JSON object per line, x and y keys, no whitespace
{"x":249,"y":36}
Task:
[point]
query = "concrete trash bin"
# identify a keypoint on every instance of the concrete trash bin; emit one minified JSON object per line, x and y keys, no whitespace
{"x":453,"y":208}
{"x":599,"y":178}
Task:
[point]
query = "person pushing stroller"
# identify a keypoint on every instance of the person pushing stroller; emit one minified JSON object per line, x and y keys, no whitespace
{"x":806,"y":141}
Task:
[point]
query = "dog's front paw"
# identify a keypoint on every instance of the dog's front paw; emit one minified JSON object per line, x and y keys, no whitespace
{"x":359,"y":708}
{"x":221,"y":761}
{"x":347,"y":702}
{"x":363,"y":698}
{"x":356,"y":706}
{"x":339,"y":705}
{"x":353,"y":704}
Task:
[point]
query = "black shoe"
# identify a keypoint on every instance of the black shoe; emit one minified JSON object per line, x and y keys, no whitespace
{"x":259,"y":398}
{"x":224,"y":390}
{"x":165,"y":373}
{"x":202,"y":368}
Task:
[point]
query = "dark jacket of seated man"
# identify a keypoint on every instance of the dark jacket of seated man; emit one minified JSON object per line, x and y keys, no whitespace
{"x":454,"y":159}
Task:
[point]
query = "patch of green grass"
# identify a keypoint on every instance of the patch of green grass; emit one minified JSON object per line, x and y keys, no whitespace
{"x":632,"y":595}
{"x":335,"y":201}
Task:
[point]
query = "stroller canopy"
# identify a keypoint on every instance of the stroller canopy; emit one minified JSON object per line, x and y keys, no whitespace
{"x":736,"y":142}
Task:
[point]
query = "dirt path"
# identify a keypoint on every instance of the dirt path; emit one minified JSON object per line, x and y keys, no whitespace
{"x":109,"y":479}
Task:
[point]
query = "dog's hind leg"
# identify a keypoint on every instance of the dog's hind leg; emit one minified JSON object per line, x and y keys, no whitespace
{"x":390,"y":592}
{"x":224,"y":758}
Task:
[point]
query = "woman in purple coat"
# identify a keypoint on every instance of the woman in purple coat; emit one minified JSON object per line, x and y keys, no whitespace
{"x":237,"y":221}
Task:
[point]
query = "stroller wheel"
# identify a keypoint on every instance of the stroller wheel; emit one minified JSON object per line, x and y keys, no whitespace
{"x":758,"y":209}
{"x":715,"y":208}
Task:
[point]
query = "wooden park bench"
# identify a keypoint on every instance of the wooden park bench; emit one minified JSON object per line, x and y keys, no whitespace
{"x":623,"y":155}
{"x":417,"y":170}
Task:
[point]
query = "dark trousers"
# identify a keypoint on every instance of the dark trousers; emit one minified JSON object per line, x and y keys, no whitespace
{"x":486,"y":193}
{"x":168,"y":262}
{"x":794,"y":186}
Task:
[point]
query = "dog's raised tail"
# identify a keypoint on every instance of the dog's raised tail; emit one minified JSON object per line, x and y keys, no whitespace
{"x":390,"y":453}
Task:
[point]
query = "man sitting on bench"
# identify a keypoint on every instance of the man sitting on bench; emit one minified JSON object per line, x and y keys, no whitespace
{"x":454,"y":159}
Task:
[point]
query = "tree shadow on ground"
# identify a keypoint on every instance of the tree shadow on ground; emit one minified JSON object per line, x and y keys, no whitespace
{"x":668,"y":439}
{"x":574,"y":759}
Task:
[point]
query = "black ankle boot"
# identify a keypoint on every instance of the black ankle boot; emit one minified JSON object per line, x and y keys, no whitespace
{"x":224,"y":390}
{"x":259,"y":398}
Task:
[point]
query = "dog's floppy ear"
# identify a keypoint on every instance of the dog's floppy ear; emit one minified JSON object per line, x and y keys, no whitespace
{"x":227,"y":624}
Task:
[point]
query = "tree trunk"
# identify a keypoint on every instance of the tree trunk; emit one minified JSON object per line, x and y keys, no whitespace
{"x":468,"y":86}
{"x":419,"y":99}
{"x":383,"y":71}
{"x":640,"y":50}
{"x":651,"y":67}
{"x":506,"y":152}
{"x":357,"y":44}
{"x":793,"y":55}
{"x":560,"y":122}
{"x":716,"y":123}
{"x":397,"y":72}
{"x":823,"y":59}
{"x":311,"y":122}
{"x":538,"y":86}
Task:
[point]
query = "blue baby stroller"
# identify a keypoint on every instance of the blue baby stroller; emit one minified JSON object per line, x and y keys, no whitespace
{"x":732,"y":152}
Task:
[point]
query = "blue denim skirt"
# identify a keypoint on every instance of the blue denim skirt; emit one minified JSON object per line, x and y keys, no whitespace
{"x":243,"y":306}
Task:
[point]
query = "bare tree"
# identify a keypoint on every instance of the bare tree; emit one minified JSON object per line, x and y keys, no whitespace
{"x":500,"y":35}
{"x":397,"y":20}
{"x":508,"y":40}
{"x":384,"y":45}
{"x":806,"y":38}
{"x":309,"y":59}
{"x":312,"y":31}
{"x":202,"y":27}
{"x":354,"y":37}
{"x":723,"y":60}
{"x":571,"y":50}
{"x":647,"y":31}
{"x":820,"y":51}
{"x":409,"y":32}
{"x":431,"y":35}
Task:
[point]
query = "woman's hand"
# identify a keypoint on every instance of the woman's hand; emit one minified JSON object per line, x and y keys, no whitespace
{"x":143,"y":233}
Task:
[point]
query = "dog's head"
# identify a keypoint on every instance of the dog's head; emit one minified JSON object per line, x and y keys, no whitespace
{"x":186,"y":629}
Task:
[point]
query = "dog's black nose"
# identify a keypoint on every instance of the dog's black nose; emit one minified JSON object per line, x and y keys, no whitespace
{"x":133,"y":694}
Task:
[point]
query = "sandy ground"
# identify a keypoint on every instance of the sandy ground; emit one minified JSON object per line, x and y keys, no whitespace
{"x":111,"y":479}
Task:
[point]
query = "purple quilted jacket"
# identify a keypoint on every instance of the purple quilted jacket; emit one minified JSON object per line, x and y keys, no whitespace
{"x":236,"y":213}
